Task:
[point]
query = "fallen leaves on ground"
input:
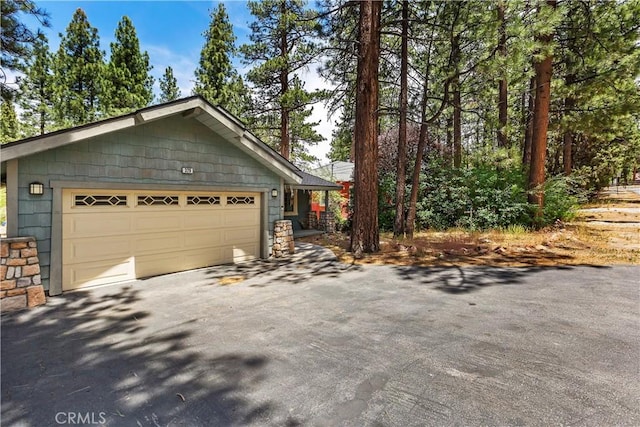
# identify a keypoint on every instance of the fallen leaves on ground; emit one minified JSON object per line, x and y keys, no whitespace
{"x":230,"y":280}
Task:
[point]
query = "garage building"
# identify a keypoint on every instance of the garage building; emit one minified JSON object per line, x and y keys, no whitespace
{"x":167,"y":188}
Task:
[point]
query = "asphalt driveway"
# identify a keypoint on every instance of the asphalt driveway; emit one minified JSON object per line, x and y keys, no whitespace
{"x":320,"y":343}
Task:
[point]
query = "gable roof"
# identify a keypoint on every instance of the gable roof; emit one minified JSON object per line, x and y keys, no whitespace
{"x":215,"y":118}
{"x":312,"y":182}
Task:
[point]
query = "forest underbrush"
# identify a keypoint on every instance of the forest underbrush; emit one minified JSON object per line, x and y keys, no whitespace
{"x":604,"y":232}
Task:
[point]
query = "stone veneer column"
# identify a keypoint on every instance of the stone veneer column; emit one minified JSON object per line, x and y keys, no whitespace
{"x":283,"y":244}
{"x":20,"y":280}
{"x":327,"y":222}
{"x":313,"y":220}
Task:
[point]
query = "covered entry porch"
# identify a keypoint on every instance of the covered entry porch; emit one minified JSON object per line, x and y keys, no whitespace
{"x":297,"y":206}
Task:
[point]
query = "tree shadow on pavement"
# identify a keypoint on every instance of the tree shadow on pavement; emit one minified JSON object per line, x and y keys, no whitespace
{"x":91,"y":358}
{"x":308,"y":261}
{"x":463,"y":280}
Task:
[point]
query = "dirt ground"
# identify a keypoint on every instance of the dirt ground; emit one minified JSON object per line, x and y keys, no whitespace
{"x":604,"y":232}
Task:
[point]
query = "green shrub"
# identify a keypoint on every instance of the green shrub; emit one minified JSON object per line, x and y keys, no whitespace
{"x":386,"y":198}
{"x":489,"y":194}
{"x":562,"y":196}
{"x":483,"y":196}
{"x":444,"y":199}
{"x":498,"y":197}
{"x":589,"y":180}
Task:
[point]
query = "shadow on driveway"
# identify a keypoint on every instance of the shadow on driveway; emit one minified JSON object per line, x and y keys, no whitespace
{"x":308,"y":261}
{"x":458,"y":280}
{"x":310,"y":341}
{"x":93,"y":358}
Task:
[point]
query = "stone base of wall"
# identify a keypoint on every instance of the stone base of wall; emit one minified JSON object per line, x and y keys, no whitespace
{"x":20,"y":280}
{"x":283,"y":244}
{"x":327,"y":222}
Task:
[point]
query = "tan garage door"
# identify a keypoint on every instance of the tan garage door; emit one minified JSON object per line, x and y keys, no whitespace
{"x":112,"y":236}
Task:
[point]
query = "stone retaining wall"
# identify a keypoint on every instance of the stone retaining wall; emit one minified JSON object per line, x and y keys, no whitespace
{"x":20,"y":280}
{"x":283,"y":238}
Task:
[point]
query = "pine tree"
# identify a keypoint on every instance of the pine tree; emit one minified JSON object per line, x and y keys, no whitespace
{"x":342,"y":136}
{"x":16,"y":38}
{"x":543,"y":65}
{"x":399,"y":224}
{"x":9,"y":126}
{"x":79,"y":74}
{"x":340,"y":54}
{"x":215,"y":75}
{"x":169,"y":89}
{"x":473,"y":68}
{"x":503,"y":106}
{"x":129,"y":85}
{"x":456,"y":87}
{"x":340,"y":30}
{"x":365,"y":233}
{"x":240,"y":101}
{"x":304,"y":135}
{"x":282,"y":46}
{"x":597,"y":92}
{"x":36,"y":92}
{"x":428,"y":51}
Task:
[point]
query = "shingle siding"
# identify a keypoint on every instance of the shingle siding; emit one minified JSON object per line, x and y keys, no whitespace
{"x":153,"y":153}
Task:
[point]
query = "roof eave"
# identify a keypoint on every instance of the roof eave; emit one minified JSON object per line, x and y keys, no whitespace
{"x":317,"y":187}
{"x":55,"y":140}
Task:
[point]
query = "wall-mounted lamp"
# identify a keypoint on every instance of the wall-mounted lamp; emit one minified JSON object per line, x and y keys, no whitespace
{"x":36,"y":188}
{"x":274,"y":193}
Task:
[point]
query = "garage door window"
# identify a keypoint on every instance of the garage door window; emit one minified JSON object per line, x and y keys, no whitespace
{"x":203,"y":200}
{"x":157,"y":200}
{"x":100,"y":200}
{"x":241,"y":200}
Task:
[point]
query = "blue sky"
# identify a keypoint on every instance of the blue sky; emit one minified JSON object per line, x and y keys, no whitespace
{"x":171,"y":32}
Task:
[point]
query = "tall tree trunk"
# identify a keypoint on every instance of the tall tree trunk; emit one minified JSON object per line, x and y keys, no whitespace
{"x":415,"y":181}
{"x":502,"y":84}
{"x":567,"y":137}
{"x":555,"y":168}
{"x":457,"y":125}
{"x":528,"y":133}
{"x":457,"y":106}
{"x":543,"y":71}
{"x":43,"y":116}
{"x":285,"y":144}
{"x":365,"y":236}
{"x":399,"y":223}
{"x":423,"y":139}
{"x":449,"y":139}
{"x":567,"y":141}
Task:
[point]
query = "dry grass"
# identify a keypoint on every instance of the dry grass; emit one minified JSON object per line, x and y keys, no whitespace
{"x":603,"y":238}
